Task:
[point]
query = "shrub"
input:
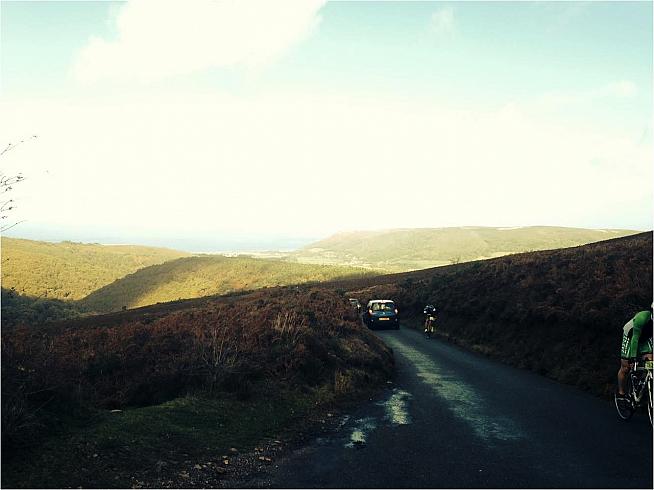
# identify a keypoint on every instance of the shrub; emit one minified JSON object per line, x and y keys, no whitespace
{"x":297,"y":339}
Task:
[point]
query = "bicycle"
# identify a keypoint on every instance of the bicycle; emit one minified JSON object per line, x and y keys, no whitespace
{"x":430,"y":326}
{"x":639,"y":386}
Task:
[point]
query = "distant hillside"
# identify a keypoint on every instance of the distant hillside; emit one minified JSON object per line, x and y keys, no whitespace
{"x":194,"y":277}
{"x":410,"y":249}
{"x":71,"y":271}
{"x":559,"y":313}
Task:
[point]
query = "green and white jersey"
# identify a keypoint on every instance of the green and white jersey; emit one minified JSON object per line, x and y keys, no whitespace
{"x":637,"y":335}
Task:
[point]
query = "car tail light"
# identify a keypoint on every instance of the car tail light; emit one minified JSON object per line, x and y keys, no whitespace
{"x":370,"y":312}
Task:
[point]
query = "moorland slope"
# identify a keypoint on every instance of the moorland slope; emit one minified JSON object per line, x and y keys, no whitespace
{"x":559,"y":313}
{"x":184,"y":384}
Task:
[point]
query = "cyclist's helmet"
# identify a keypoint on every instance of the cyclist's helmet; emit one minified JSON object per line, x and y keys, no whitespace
{"x":429,"y":310}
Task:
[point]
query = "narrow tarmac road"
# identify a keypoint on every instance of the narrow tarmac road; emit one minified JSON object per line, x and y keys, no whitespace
{"x":454,"y":419}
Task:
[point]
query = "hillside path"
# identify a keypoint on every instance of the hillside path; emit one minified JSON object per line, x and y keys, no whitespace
{"x":455,"y":419}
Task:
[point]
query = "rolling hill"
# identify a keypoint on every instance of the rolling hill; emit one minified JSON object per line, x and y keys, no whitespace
{"x":44,"y":282}
{"x":194,"y":277}
{"x":100,"y":278}
{"x":411,"y":249}
{"x":71,"y":271}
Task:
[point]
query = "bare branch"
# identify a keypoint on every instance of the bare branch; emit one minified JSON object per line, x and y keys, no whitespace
{"x":6,"y":184}
{"x":11,"y":146}
{"x":5,"y":228}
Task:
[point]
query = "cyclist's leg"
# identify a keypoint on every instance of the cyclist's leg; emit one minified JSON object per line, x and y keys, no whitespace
{"x":624,"y":357}
{"x":623,"y":372}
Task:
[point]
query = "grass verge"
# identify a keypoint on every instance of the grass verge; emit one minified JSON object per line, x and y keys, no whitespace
{"x":134,"y":446}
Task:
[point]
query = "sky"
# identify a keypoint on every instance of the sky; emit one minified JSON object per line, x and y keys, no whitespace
{"x":218,"y":125}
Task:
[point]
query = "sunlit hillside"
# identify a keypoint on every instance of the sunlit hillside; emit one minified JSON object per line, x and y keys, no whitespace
{"x":198,"y":276}
{"x":410,"y":249}
{"x":71,"y":271}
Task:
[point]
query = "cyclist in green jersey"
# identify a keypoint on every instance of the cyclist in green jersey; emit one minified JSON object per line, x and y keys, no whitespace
{"x":636,"y":342}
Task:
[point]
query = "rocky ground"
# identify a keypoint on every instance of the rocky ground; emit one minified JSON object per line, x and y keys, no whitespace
{"x":236,"y":469}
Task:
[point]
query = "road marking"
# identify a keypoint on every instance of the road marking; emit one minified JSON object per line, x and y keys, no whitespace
{"x":461,"y":398}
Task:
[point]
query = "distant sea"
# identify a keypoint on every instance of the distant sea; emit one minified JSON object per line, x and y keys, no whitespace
{"x":202,"y":244}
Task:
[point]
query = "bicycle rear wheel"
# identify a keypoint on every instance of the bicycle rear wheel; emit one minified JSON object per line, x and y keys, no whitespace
{"x":625,"y":407}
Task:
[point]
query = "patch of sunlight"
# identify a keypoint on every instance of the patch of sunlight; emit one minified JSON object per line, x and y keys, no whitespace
{"x":360,"y":432}
{"x":461,"y":398}
{"x":396,"y":407}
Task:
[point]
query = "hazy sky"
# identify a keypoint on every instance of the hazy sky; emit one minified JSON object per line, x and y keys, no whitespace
{"x":224,"y":121}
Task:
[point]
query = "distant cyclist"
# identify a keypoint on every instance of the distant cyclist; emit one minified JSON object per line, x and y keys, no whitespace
{"x":430,"y":320}
{"x":636,"y":342}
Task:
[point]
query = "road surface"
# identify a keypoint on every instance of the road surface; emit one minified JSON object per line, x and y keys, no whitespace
{"x":454,"y":419}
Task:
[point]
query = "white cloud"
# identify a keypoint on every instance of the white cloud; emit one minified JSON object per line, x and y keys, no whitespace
{"x":442,"y":21}
{"x":157,"y":39}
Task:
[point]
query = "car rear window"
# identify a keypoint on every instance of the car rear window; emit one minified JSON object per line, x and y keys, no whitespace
{"x":383,"y":307}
